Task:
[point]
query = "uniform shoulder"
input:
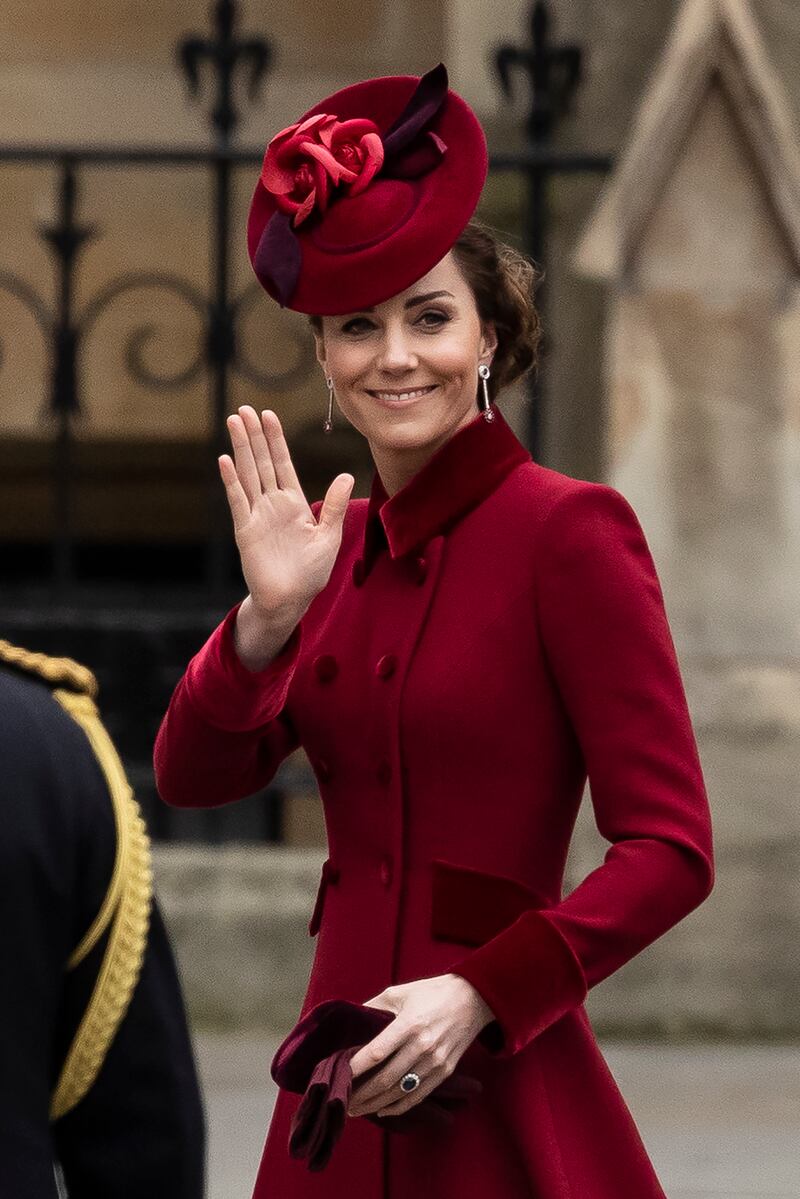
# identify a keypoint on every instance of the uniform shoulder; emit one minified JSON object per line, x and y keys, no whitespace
{"x":31,"y":715}
{"x":55,"y":672}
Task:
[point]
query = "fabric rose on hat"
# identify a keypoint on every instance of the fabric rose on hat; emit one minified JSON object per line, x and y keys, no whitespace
{"x":305,"y":162}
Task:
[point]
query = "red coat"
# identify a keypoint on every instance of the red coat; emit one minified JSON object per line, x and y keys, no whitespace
{"x":489,"y":635}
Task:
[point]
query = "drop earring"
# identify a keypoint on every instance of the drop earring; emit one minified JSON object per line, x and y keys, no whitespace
{"x":485,"y":403}
{"x":328,"y":425}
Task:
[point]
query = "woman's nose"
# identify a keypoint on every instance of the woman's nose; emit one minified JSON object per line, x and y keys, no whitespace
{"x":396,"y":351}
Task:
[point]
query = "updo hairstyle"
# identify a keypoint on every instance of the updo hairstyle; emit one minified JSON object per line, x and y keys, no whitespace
{"x":502,"y":281}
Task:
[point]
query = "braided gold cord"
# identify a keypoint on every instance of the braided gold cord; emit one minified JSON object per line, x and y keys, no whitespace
{"x":56,"y":671}
{"x":82,"y":709}
{"x":127,"y":903}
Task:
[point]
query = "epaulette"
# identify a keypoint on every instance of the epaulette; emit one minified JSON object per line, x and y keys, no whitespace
{"x":56,"y":672}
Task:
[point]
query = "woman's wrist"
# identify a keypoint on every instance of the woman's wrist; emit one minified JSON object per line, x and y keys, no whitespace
{"x":477,"y":1007}
{"x":259,"y":637}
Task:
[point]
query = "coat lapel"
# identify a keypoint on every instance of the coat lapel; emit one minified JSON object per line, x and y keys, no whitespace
{"x":462,"y":473}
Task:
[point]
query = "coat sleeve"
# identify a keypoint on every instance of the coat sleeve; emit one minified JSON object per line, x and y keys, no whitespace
{"x":225,"y":731}
{"x":609,"y":648}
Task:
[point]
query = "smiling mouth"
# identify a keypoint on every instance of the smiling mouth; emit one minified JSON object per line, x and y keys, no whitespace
{"x":402,"y":397}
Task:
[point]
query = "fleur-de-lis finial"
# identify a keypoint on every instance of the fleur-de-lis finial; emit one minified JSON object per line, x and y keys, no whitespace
{"x":225,"y":53}
{"x":554,"y":73}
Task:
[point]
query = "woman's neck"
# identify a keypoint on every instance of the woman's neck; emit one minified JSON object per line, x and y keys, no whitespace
{"x":397,"y":467}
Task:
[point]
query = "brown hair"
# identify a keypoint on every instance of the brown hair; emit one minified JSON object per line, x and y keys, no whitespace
{"x":502,"y":280}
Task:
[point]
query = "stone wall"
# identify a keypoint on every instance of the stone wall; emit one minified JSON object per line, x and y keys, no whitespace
{"x":697,"y":240}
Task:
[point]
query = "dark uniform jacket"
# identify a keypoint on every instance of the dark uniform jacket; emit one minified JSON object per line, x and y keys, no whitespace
{"x":139,"y":1129}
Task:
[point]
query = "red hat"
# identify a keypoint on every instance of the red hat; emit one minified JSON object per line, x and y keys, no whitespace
{"x":366,"y":193}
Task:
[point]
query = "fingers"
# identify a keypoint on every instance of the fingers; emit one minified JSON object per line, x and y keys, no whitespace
{"x":259,"y":448}
{"x":397,"y":1102}
{"x":393,"y":1067}
{"x":391,"y":1100}
{"x":376,"y":1051}
{"x":397,"y":1056}
{"x":246,"y":467}
{"x":237,"y":500}
{"x":334,"y":506}
{"x":283,"y":466}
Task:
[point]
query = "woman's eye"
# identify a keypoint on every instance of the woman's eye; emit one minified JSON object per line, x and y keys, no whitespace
{"x":432,"y":319}
{"x":358,"y":324}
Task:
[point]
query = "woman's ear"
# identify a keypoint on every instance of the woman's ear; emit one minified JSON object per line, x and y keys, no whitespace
{"x":319,"y":346}
{"x":488,"y":343}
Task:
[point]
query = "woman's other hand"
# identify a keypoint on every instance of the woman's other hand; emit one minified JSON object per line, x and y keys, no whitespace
{"x":436,"y":1020}
{"x":287,"y":556}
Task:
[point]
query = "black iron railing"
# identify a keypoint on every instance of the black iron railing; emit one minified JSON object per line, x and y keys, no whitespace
{"x":227,"y":63}
{"x":553,"y":72}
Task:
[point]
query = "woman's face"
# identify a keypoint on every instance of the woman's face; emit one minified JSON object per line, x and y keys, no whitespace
{"x":405,"y":373}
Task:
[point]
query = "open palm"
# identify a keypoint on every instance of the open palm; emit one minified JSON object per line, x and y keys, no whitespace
{"x":287,"y":555}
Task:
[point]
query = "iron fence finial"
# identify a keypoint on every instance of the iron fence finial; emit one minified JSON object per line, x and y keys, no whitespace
{"x":224,"y":53}
{"x":554,"y":72}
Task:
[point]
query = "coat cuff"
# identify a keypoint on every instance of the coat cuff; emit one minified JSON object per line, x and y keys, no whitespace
{"x":227,"y":694}
{"x":529,"y":977}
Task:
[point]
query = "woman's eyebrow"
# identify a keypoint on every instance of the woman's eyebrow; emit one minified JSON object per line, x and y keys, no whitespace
{"x":429,"y":295}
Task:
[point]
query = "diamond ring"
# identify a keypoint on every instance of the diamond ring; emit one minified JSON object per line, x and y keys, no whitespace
{"x":410,"y":1082}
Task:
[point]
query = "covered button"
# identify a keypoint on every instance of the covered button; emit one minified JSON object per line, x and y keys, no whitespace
{"x":359,"y":572}
{"x":386,"y":667}
{"x":420,"y":570}
{"x":386,"y":871}
{"x":326,"y":667}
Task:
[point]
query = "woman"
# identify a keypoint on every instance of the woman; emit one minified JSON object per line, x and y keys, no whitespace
{"x":455,"y":654}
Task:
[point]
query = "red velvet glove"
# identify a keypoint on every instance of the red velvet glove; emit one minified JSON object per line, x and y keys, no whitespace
{"x":314,"y":1060}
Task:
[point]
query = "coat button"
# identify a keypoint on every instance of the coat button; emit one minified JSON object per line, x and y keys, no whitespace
{"x":323,"y":770}
{"x":326,"y":667}
{"x":386,"y":871}
{"x":384,"y":772}
{"x":358,"y":572}
{"x":420,"y":571}
{"x":386,"y":666}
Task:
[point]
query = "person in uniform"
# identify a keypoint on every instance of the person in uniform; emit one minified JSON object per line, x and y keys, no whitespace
{"x":98,"y":1088}
{"x":456,"y":654}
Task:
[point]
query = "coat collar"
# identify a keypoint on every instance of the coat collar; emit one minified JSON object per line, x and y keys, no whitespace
{"x":462,"y":472}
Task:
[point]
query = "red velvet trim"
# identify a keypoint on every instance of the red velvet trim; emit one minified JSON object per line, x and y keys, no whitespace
{"x":528,"y":976}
